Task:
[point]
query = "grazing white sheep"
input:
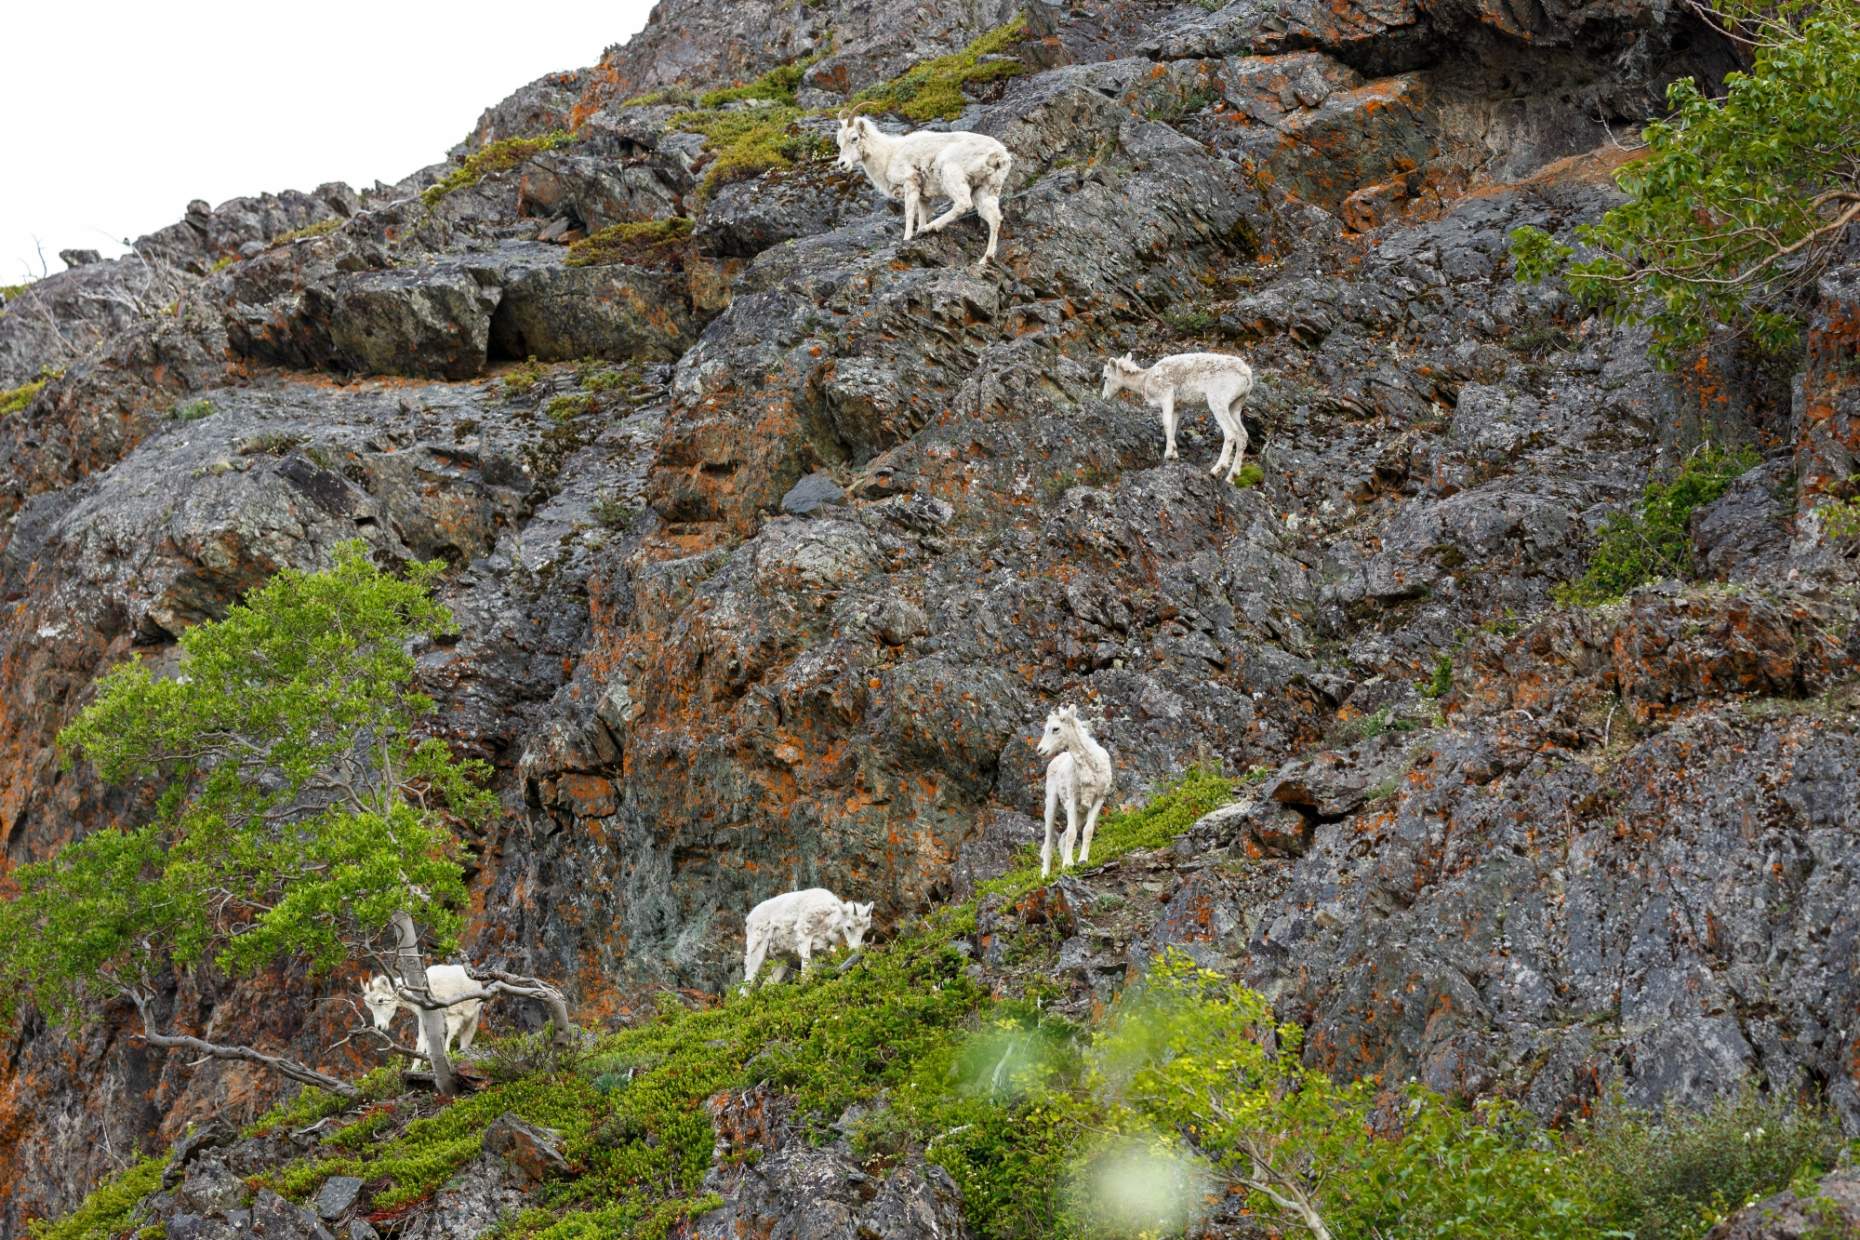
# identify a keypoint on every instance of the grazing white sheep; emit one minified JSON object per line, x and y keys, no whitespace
{"x":969,"y":169}
{"x":1080,"y":778}
{"x":800,"y":923}
{"x":1222,"y":380}
{"x":445,"y":982}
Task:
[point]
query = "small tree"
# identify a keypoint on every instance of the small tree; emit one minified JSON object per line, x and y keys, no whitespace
{"x":1742,"y":201}
{"x":300,"y":815}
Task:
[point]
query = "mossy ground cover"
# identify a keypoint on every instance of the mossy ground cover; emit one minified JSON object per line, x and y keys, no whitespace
{"x":110,"y":1210}
{"x":12,"y":400}
{"x":935,"y":89}
{"x":746,"y":141}
{"x":646,"y":242}
{"x":499,"y":156}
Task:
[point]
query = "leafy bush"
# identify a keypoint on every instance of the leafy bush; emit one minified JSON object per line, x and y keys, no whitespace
{"x":1740,"y":201}
{"x":637,"y":241}
{"x":526,"y":1054}
{"x":1250,"y":475}
{"x":1440,"y":682}
{"x":499,"y":156}
{"x":1678,"y":1173}
{"x":933,"y":89}
{"x":1652,"y":542}
{"x":193,"y":411}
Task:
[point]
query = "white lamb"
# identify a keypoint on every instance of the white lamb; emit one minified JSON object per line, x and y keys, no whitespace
{"x":799,"y":924}
{"x":445,"y":981}
{"x":969,"y":169}
{"x":1080,"y":778}
{"x":1222,"y":380}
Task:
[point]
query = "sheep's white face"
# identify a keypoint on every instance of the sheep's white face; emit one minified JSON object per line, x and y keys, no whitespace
{"x":378,"y":996}
{"x":856,"y":921}
{"x":851,"y":139}
{"x":1116,"y":372}
{"x":1053,"y":739}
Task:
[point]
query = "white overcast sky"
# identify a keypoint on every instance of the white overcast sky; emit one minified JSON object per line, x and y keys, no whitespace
{"x":114,"y":116}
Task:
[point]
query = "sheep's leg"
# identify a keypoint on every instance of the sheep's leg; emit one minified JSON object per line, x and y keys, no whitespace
{"x":955,"y":184}
{"x":1168,"y":421}
{"x":1225,"y":419}
{"x":913,"y":207}
{"x":752,"y":960}
{"x":988,"y":206}
{"x":1091,"y":825}
{"x":778,"y":971}
{"x":806,"y":951}
{"x":1052,"y":808}
{"x":1071,"y":836}
{"x":469,"y":1029}
{"x":1238,"y":430}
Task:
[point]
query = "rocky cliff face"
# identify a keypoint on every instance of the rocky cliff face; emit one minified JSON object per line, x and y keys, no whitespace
{"x":768,"y":569}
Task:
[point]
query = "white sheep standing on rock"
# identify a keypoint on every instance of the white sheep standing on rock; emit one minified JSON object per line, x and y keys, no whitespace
{"x":1223,"y":380}
{"x":445,"y":982}
{"x":798,"y":924}
{"x":1080,"y":777}
{"x":967,"y":168}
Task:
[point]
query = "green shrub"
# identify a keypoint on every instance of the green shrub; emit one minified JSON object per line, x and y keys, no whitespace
{"x":1250,"y":475}
{"x":1741,"y":201}
{"x":193,"y":411}
{"x":679,"y":95}
{"x":9,"y":291}
{"x":110,"y":1209}
{"x":1678,"y":1173}
{"x":1440,"y":682}
{"x":933,"y":90}
{"x":499,"y":156}
{"x":613,"y":514}
{"x":636,"y":241}
{"x":1651,"y":542}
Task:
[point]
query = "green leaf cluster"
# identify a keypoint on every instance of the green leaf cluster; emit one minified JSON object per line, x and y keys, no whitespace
{"x":299,"y":807}
{"x":1738,"y":201}
{"x":1652,"y":542}
{"x":110,"y":1209}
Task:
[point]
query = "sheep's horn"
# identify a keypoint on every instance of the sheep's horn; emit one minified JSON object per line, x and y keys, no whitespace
{"x":852,"y":110}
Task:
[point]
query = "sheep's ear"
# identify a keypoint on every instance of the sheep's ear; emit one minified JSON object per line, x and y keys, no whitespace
{"x":865,"y":910}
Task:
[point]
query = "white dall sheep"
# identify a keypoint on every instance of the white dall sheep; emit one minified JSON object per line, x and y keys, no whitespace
{"x":445,"y":982}
{"x":799,"y":924}
{"x":967,"y":168}
{"x":1222,"y":380}
{"x":1080,"y":778}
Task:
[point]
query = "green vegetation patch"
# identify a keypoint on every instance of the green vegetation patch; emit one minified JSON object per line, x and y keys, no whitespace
{"x":499,"y":156}
{"x":933,"y":89}
{"x":745,"y":142}
{"x":110,"y":1208}
{"x":9,"y":291}
{"x":778,"y":85}
{"x":13,"y":400}
{"x":1740,"y":202}
{"x":1651,"y":542}
{"x":1250,"y":475}
{"x":645,"y":242}
{"x":322,"y":228}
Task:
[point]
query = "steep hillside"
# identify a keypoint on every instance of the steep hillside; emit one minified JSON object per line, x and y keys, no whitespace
{"x":773,"y":538}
